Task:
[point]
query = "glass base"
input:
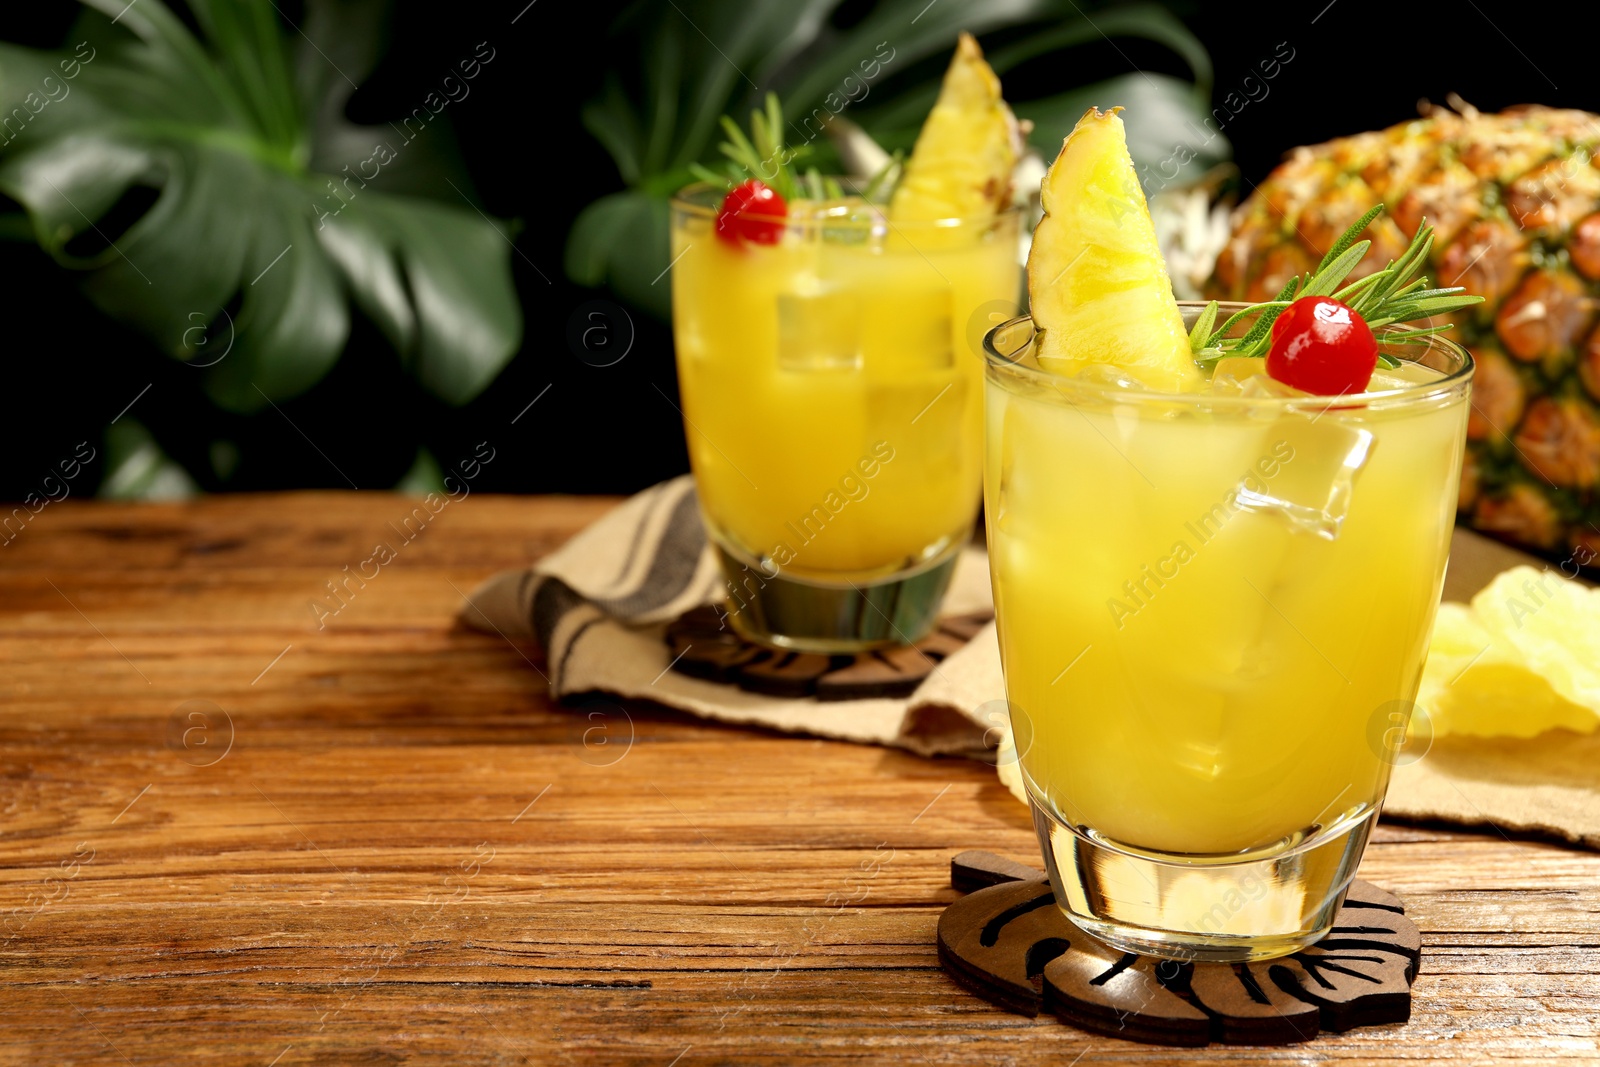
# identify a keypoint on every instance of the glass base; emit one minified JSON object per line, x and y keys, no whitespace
{"x":801,"y":616}
{"x":1206,"y":909}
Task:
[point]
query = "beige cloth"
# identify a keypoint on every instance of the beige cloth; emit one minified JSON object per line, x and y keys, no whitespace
{"x":1549,"y":785}
{"x":599,"y":606}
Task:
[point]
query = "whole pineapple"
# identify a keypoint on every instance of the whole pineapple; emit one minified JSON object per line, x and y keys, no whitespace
{"x":1515,"y":199}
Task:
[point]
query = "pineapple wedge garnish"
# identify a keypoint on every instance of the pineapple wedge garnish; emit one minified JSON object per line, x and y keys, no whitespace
{"x":961,"y":165}
{"x":1097,"y":284}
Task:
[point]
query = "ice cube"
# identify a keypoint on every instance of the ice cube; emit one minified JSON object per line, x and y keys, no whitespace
{"x":819,"y":328}
{"x":1265,"y":387}
{"x":908,"y":330}
{"x":1232,"y":372}
{"x":1112,"y":375}
{"x":1307,"y":472}
{"x":852,"y":223}
{"x":920,"y":418}
{"x":1402,"y":377}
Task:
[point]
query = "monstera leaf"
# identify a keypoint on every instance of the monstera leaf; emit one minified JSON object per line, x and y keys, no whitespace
{"x":268,"y":213}
{"x":701,"y":60}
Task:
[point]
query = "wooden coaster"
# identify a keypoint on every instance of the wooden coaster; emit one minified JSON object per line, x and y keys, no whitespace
{"x":1007,"y":942}
{"x":704,"y":647}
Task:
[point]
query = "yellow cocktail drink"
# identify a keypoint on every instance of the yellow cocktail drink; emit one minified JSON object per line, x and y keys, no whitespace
{"x":1210,"y":605}
{"x":832,"y":393}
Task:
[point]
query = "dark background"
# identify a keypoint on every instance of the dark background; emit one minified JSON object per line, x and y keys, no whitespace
{"x":1358,"y":64}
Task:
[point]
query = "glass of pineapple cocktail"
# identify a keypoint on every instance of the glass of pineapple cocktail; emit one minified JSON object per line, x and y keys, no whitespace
{"x":1204,"y":604}
{"x":832,"y":396}
{"x":831,"y":372}
{"x":1209,"y":585}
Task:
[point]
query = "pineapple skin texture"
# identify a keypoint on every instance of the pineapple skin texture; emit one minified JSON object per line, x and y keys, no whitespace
{"x":1515,"y":200}
{"x":1097,"y":283}
{"x":960,"y":167}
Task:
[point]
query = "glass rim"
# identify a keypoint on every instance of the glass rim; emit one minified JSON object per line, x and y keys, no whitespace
{"x":1455,"y":380}
{"x":840,"y":216}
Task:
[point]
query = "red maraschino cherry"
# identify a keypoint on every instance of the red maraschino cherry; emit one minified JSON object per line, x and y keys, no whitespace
{"x":752,"y":212}
{"x":1322,"y":346}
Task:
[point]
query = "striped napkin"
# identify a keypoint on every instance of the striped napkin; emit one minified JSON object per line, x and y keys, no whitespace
{"x":600,"y":605}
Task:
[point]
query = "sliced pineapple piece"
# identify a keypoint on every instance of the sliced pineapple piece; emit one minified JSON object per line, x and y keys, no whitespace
{"x":1096,"y":280}
{"x":1521,"y":660}
{"x":1553,"y":623}
{"x":1473,"y":685}
{"x":961,"y":165}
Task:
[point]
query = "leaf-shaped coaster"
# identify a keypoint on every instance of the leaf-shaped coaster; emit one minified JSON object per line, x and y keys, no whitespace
{"x":1008,"y":942}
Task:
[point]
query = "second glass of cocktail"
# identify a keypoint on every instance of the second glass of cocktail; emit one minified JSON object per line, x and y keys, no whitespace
{"x":833,"y":405}
{"x":831,"y":378}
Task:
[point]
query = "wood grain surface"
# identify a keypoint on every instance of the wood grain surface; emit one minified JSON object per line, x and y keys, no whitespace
{"x":232,"y":836}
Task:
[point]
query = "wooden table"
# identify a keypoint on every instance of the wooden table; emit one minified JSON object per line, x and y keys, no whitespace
{"x":232,"y":835}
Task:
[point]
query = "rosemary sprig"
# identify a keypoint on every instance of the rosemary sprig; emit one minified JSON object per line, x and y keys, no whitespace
{"x":764,"y":155}
{"x":1397,"y":293}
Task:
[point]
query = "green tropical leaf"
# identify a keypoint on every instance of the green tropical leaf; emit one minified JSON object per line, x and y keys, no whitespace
{"x":137,"y":468}
{"x":897,"y":121}
{"x":1165,"y":123}
{"x":458,"y":272}
{"x":272,"y":211}
{"x":640,"y":278}
{"x":293,"y":321}
{"x":597,"y":230}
